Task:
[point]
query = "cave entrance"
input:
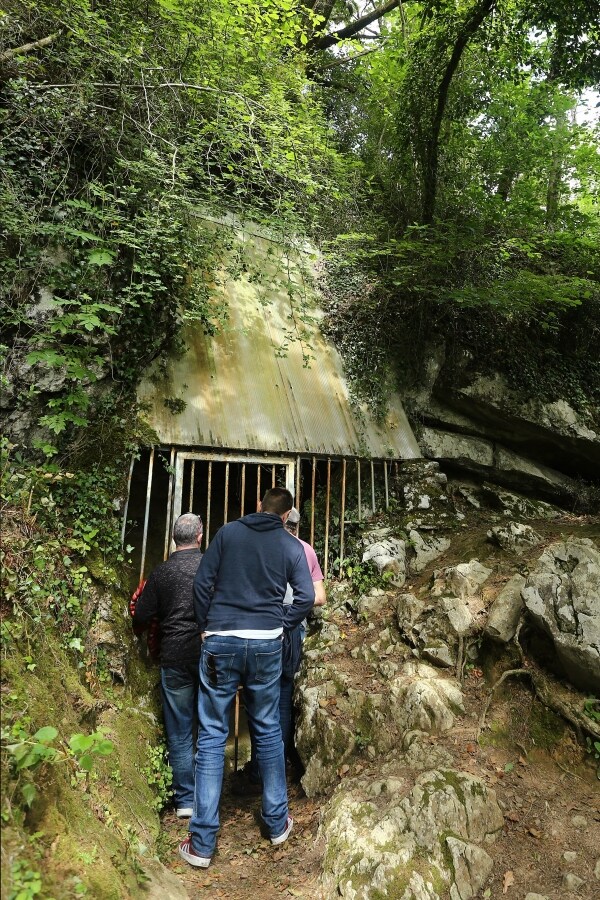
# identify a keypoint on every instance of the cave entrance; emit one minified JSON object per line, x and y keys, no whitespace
{"x":331,"y":493}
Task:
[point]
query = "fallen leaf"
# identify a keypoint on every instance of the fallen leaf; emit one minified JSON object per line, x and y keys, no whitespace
{"x":523,"y":761}
{"x":471,"y":747}
{"x":507,"y":881}
{"x":534,"y":832}
{"x":512,"y":816}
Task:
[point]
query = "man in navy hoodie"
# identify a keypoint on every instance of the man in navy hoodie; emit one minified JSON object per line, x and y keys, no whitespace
{"x":238,"y":602}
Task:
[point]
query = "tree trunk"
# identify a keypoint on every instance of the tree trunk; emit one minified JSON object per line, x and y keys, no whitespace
{"x":431,"y":160}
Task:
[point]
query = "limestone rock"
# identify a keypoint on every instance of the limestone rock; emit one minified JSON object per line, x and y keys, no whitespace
{"x":515,"y":537}
{"x":323,"y":743}
{"x":420,"y":698}
{"x":572,"y":882}
{"x":562,"y":596}
{"x":420,"y":752}
{"x":423,"y":550}
{"x":387,"y":553}
{"x":515,"y":505}
{"x":162,"y":884}
{"x":463,"y":580}
{"x":505,"y":612}
{"x":399,"y":846}
{"x":434,"y":629}
{"x":408,"y":609}
{"x":472,"y":868}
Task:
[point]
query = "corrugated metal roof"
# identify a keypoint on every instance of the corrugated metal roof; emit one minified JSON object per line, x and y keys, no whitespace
{"x":251,"y":386}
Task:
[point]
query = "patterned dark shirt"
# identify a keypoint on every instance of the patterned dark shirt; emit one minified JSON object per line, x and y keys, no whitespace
{"x":168,"y":595}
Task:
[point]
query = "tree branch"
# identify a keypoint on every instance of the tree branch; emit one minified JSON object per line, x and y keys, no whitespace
{"x":27,"y":48}
{"x":328,"y":40}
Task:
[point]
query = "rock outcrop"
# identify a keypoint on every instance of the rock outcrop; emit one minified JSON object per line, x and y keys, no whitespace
{"x":386,"y":840}
{"x":562,"y":597}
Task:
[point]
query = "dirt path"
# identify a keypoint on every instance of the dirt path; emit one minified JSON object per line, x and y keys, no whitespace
{"x":550,"y":797}
{"x":246,"y":865}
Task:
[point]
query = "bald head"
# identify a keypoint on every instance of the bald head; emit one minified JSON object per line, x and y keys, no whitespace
{"x":187,"y":530}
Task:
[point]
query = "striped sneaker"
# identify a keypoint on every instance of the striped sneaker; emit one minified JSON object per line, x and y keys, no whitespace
{"x":187,"y":852}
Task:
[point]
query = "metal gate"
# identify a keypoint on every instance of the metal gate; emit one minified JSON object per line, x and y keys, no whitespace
{"x":331,"y":493}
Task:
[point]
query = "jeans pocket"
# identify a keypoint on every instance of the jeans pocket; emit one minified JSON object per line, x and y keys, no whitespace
{"x":268,"y":666}
{"x":216,"y":667}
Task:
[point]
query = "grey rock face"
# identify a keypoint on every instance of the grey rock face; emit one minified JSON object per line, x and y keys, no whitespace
{"x":505,"y":612}
{"x":394,"y":845}
{"x":562,"y":596}
{"x":514,"y":537}
{"x":387,"y":553}
{"x":514,"y":505}
{"x":434,"y":629}
{"x":422,"y":699}
{"x":423,"y":550}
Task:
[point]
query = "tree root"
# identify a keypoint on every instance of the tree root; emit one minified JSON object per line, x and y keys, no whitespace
{"x":547,"y":691}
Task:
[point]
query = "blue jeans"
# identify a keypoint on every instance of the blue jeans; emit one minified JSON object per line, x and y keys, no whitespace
{"x":179,"y":689}
{"x":286,"y":722}
{"x":225,"y":663}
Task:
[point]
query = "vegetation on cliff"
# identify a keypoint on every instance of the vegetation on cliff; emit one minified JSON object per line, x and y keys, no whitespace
{"x":441,"y":153}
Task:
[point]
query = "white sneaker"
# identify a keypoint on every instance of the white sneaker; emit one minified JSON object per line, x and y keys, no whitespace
{"x":184,"y":812}
{"x":283,"y":837}
{"x":187,"y":852}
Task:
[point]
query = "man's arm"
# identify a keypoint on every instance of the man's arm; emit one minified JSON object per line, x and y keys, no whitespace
{"x":320,"y":598}
{"x":204,"y":581}
{"x":303,"y":591}
{"x":147,"y":606}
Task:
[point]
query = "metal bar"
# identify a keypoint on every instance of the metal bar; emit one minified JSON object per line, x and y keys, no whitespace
{"x":178,"y":495}
{"x":169,"y":496}
{"x":297,"y":493}
{"x":342,"y":514}
{"x":226,"y":503}
{"x":359,"y":496}
{"x":289,"y":476}
{"x":312,"y":501}
{"x":243,"y":488}
{"x":208,"y":499}
{"x":192,"y":477}
{"x":373,"y":487}
{"x":258,"y":497}
{"x":125,"y":508}
{"x":273,"y":474}
{"x":387,"y":493}
{"x":147,"y":514}
{"x":326,"y":552}
{"x":236,"y":457}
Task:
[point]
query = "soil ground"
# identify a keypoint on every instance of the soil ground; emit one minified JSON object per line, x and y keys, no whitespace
{"x":546,"y":783}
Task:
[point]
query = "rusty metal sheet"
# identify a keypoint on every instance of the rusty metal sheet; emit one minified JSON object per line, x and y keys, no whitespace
{"x":269,"y":381}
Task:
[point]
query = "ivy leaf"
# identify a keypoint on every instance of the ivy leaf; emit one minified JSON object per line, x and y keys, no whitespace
{"x":101,"y":258}
{"x":45,"y":735}
{"x":80,"y":742}
{"x":29,"y":793}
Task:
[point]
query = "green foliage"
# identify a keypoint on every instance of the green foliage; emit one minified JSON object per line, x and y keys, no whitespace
{"x":364,"y":576}
{"x":26,"y":883}
{"x":591,"y":708}
{"x":159,"y":775}
{"x":31,"y":752}
{"x":141,"y":122}
{"x":54,"y":521}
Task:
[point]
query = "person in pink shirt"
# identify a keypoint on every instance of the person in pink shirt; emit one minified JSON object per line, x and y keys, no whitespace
{"x":249,"y":783}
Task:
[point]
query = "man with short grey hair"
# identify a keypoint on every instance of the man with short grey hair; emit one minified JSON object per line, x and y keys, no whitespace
{"x":167,"y":595}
